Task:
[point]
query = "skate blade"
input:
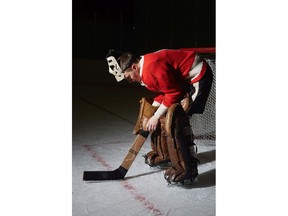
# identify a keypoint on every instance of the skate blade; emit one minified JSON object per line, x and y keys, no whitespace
{"x":184,"y":183}
{"x":163,"y":165}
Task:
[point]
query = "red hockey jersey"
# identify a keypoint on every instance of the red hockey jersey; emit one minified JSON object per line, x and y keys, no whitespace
{"x":167,"y":72}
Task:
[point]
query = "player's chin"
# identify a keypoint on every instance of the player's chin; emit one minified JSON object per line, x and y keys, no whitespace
{"x":129,"y":80}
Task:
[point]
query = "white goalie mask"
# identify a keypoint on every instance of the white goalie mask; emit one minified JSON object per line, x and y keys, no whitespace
{"x":114,"y":68}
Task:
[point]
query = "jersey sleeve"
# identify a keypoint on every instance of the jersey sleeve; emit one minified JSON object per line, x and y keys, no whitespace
{"x":170,"y":86}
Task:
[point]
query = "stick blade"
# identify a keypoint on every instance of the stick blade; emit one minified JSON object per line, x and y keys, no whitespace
{"x":116,"y":174}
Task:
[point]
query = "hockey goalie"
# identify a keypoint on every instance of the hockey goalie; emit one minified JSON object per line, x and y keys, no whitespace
{"x":182,"y":81}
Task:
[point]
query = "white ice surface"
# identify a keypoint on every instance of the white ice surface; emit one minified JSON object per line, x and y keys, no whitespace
{"x":101,"y":141}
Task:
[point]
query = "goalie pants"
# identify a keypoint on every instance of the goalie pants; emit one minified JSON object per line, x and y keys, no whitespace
{"x":199,"y":92}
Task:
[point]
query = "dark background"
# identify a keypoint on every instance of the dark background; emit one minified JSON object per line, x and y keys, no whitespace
{"x":140,"y":26}
{"x":135,"y":26}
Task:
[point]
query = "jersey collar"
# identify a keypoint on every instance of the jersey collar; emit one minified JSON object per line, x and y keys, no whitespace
{"x":141,"y":62}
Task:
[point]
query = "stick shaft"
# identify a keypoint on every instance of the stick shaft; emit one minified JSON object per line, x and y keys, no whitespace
{"x":134,"y":150}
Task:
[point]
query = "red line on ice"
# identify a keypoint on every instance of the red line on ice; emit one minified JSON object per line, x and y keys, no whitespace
{"x":141,"y":198}
{"x":97,"y":157}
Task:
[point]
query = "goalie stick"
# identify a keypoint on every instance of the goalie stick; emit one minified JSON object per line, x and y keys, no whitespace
{"x":121,"y":171}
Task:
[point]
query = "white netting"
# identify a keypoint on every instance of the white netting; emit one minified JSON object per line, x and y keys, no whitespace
{"x":203,"y":125}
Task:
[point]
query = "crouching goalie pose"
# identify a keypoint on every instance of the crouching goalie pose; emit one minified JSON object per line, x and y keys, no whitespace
{"x":182,"y":81}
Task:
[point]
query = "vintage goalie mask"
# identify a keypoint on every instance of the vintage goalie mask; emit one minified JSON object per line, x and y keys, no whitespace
{"x":118,"y":62}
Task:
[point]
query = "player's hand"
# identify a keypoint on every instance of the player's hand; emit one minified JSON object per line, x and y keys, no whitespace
{"x":152,"y":123}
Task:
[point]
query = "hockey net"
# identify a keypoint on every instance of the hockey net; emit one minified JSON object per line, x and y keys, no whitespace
{"x":203,"y":125}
